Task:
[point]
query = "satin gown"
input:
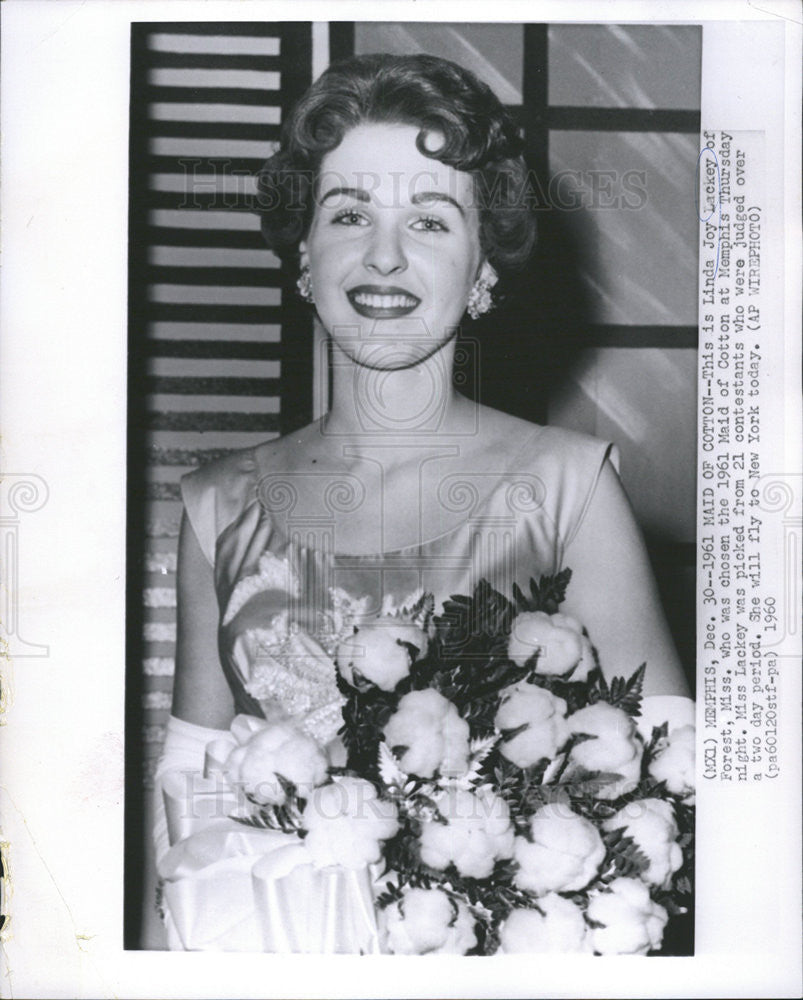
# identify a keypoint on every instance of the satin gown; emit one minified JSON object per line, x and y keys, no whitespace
{"x":287,"y":594}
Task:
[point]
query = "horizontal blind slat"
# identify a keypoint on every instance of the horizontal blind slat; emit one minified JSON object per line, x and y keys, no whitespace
{"x":210,"y":368}
{"x":237,"y":240}
{"x":214,"y":130}
{"x":204,"y":200}
{"x":158,"y":456}
{"x":213,"y":386}
{"x":211,"y":349}
{"x":193,"y":312}
{"x":252,"y":332}
{"x":260,"y":277}
{"x":202,"y":421}
{"x":199,"y":167}
{"x":206,"y":95}
{"x":248,"y":29}
{"x":211,"y":60}
{"x":229,"y":258}
{"x":223,"y":113}
{"x":203,"y":441}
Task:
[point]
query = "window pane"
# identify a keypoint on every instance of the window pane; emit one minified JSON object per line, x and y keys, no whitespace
{"x":616,"y":66}
{"x":636,"y":225}
{"x":494,"y":52}
{"x":644,"y":399}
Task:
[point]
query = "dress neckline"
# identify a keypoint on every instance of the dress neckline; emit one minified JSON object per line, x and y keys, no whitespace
{"x":399,"y":551}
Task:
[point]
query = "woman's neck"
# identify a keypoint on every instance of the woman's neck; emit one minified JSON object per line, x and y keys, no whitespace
{"x":401,"y":406}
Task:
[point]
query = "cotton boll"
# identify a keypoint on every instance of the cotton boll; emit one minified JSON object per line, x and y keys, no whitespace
{"x":276,"y":749}
{"x":346,"y":822}
{"x":615,"y":747}
{"x":563,"y":855}
{"x":632,"y":923}
{"x":477,"y":833}
{"x":380,"y":651}
{"x":651,"y":825}
{"x":544,"y":716}
{"x":435,"y":736}
{"x":560,"y":928}
{"x":427,"y":922}
{"x":674,"y":763}
{"x":557,"y":644}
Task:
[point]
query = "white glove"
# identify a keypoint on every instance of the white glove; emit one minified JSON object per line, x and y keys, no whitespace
{"x":183,"y":752}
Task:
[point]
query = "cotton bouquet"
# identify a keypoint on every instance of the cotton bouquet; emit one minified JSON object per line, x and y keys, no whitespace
{"x":526,"y":794}
{"x":497,"y":784}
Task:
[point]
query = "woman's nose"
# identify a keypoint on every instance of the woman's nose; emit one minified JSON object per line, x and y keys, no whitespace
{"x":384,"y":254}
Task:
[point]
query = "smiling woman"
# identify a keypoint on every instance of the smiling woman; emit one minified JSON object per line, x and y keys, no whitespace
{"x":419,"y":248}
{"x":399,"y":189}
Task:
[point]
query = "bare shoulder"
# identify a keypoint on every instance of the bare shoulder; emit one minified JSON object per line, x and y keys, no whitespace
{"x":502,"y":430}
{"x":507,"y":434}
{"x":291,"y":451}
{"x":502,"y":434}
{"x":500,"y":424}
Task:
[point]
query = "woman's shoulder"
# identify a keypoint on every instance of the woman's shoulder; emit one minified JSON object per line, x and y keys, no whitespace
{"x":562,"y":466}
{"x":291,"y":451}
{"x":227,"y":476}
{"x":558,"y":450}
{"x":215,"y":494}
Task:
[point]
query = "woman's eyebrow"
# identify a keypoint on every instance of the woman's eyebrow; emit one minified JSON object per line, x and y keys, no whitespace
{"x":426,"y":196}
{"x":422,"y":197}
{"x":358,"y":193}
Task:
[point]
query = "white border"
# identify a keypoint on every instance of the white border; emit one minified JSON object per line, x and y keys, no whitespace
{"x":63,"y":293}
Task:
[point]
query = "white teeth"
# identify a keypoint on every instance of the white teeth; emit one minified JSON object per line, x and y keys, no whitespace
{"x":384,"y":301}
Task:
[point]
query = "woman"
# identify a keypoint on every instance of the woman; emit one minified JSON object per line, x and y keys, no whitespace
{"x":400,"y":187}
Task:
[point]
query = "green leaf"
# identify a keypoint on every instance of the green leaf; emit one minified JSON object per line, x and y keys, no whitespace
{"x":659,"y":735}
{"x":623,"y":859}
{"x":625,"y":694}
{"x":285,"y":818}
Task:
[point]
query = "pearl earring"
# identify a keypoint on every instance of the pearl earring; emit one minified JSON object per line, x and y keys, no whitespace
{"x":479,"y":298}
{"x":304,"y":284}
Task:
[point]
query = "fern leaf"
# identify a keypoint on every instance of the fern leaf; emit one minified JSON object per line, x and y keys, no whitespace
{"x":625,"y":694}
{"x":624,"y":858}
{"x":389,"y":770}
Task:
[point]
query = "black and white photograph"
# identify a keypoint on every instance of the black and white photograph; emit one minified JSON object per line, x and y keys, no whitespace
{"x":418,"y":510}
{"x":433,"y":248}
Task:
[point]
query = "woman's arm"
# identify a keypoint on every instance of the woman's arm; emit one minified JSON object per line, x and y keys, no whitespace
{"x":201,"y":694}
{"x":613,"y":592}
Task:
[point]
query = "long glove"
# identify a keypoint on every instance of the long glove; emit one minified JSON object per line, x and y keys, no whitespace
{"x":230,"y":887}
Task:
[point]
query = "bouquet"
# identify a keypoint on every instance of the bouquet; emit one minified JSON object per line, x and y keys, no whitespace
{"x":495,"y":785}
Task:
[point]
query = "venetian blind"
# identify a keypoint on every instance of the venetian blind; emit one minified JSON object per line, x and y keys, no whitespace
{"x":219,"y":347}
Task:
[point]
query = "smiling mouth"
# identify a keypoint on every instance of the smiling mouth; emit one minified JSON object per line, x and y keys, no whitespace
{"x":376,"y":302}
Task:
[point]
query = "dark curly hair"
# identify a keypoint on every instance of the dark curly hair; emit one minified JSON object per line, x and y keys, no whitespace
{"x":480,"y":137}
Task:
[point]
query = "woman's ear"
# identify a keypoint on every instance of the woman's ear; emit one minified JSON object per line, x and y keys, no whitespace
{"x":303,"y":256}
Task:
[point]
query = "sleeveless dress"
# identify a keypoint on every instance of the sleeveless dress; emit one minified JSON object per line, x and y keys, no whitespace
{"x":279,"y":574}
{"x":287,"y":594}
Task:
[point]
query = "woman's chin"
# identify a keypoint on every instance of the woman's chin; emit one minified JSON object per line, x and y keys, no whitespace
{"x":391,"y":343}
{"x":394,"y":354}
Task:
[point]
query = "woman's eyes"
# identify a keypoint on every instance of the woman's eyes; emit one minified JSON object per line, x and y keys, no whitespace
{"x":425,"y":224}
{"x":430,"y":225}
{"x":350,"y":218}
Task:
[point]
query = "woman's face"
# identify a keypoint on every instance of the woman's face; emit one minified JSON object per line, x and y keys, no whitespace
{"x":393,"y":248}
